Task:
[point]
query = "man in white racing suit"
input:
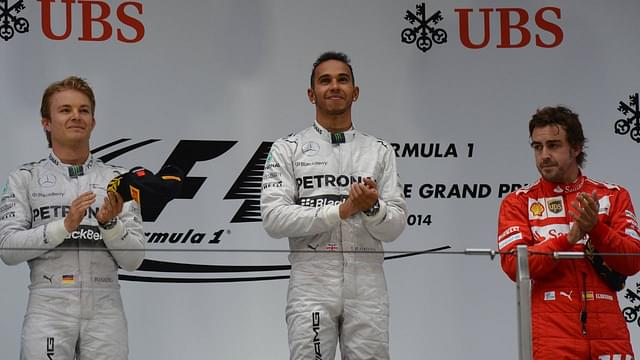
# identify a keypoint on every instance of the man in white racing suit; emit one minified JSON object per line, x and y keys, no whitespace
{"x":57,"y":215}
{"x":335,"y":193}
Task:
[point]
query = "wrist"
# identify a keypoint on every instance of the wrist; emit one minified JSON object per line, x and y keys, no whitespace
{"x":55,"y":232}
{"x":373,"y":210}
{"x":67,"y":226}
{"x":346,"y":210}
{"x":109,"y":224}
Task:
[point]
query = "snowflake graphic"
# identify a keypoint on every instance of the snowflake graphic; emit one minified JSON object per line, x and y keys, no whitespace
{"x":631,"y":312}
{"x":631,"y":124}
{"x":9,"y":20}
{"x":423,"y":34}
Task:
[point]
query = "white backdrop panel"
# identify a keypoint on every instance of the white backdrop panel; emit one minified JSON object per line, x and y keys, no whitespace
{"x":238,"y":70}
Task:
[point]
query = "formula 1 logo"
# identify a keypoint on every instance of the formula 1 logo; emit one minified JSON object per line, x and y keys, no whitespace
{"x":188,"y":152}
{"x":248,"y":186}
{"x":185,"y":155}
{"x":10,"y":21}
{"x":423,"y":34}
{"x":632,"y":313}
{"x":631,"y":124}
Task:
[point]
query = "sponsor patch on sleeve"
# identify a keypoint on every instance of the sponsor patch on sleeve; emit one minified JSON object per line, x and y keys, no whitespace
{"x":549,"y":296}
{"x":510,"y":230}
{"x":5,"y":187}
{"x":587,"y":296}
{"x":604,"y":297}
{"x":505,"y":242}
{"x":605,"y":204}
{"x":633,"y":233}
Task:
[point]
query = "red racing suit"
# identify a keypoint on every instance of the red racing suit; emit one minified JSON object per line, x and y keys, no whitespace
{"x":575,"y":315}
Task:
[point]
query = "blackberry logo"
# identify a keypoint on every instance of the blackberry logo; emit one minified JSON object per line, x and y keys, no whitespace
{"x":11,"y":22}
{"x":323,"y":200}
{"x":631,"y":124}
{"x":86,"y":232}
{"x":423,"y":34}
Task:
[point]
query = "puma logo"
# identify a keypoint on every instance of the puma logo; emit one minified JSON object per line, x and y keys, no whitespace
{"x":567,"y":295}
{"x":313,"y":247}
{"x":50,"y":278}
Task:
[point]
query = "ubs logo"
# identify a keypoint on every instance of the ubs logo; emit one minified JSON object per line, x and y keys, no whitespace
{"x":97,"y":20}
{"x":11,"y":22}
{"x":516,"y":27}
{"x":631,"y":123}
{"x":424,"y":34}
{"x":632,"y":312}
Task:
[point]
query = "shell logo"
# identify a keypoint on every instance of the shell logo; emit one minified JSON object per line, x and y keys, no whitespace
{"x":536,"y":209}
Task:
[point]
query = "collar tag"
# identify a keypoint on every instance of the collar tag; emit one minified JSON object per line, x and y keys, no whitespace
{"x":338,"y":138}
{"x":76,"y":171}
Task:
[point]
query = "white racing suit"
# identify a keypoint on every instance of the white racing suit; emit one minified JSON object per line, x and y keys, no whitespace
{"x":337,"y":290}
{"x":74,"y":300}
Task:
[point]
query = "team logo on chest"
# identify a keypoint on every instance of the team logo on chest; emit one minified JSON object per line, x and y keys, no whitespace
{"x":536,"y":209}
{"x":311,"y":148}
{"x":555,"y":206}
{"x":540,"y":209}
{"x":47,"y":180}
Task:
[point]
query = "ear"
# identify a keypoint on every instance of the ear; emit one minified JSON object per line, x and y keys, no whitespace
{"x":46,"y":123}
{"x":311,"y":95}
{"x":93,"y":124}
{"x":356,"y":93}
{"x":577,"y":150}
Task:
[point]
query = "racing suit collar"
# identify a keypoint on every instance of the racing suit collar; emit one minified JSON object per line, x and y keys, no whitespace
{"x":334,"y":138}
{"x":73,"y":171}
{"x":558,"y":188}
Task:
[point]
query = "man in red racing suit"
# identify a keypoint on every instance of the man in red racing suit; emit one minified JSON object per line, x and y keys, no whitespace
{"x":575,"y":312}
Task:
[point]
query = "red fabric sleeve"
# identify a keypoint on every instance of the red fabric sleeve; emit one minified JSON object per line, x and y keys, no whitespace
{"x":514,"y":230}
{"x":619,"y":234}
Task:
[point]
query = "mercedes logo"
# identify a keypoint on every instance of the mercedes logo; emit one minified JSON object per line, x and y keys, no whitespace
{"x":47,"y":180}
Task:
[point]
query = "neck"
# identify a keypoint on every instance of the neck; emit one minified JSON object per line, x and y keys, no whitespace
{"x":335,"y":123}
{"x":71,"y":155}
{"x":572,"y":176}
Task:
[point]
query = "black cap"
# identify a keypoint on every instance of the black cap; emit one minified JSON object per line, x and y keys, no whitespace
{"x":151,"y":192}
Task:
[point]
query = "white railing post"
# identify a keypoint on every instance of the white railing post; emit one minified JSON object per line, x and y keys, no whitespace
{"x":523,"y":283}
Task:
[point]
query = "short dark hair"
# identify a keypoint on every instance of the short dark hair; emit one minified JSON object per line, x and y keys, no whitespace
{"x":332,"y":55}
{"x":568,"y":120}
{"x":69,"y":83}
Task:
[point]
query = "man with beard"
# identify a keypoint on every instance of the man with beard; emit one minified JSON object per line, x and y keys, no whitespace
{"x":575,"y":310}
{"x":334,"y":192}
{"x":56,"y":214}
